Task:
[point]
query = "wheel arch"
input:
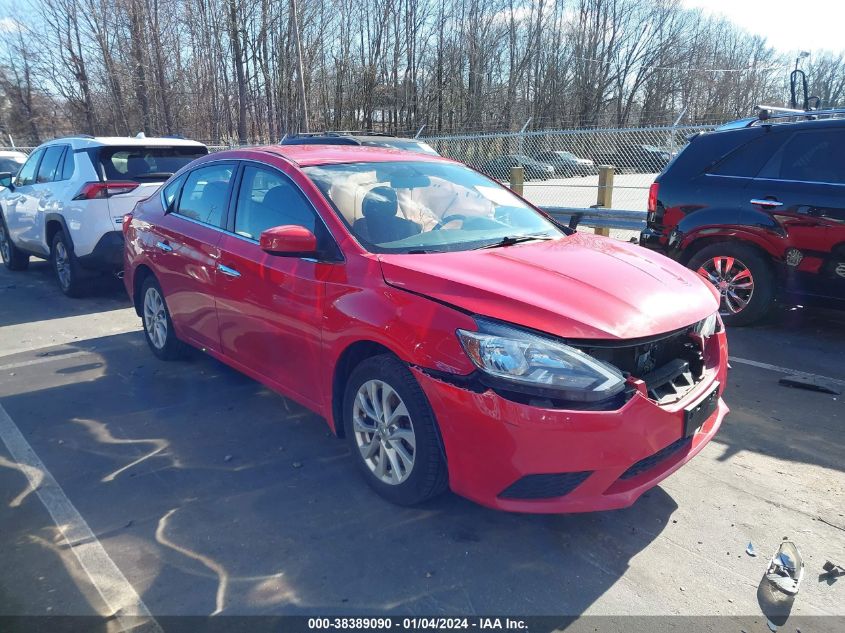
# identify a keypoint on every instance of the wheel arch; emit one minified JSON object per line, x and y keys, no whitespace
{"x":697,"y":243}
{"x":352,"y":356}
{"x":53,"y":223}
{"x":140,"y":275}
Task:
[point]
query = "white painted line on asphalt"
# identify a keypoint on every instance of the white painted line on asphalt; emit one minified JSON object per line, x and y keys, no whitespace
{"x":116,"y":591}
{"x":44,"y":359}
{"x":786,"y":370}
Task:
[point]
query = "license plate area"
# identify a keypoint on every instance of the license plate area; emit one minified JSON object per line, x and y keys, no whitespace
{"x":696,"y":414}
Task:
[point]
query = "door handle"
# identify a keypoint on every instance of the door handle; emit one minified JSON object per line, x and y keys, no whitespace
{"x":769,"y":204}
{"x":164,"y":246}
{"x":229,"y":272}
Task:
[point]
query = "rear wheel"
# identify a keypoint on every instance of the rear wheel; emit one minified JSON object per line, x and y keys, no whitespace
{"x":13,"y":258}
{"x":158,"y":327}
{"x":392,"y":432}
{"x":743,"y":278}
{"x":68,"y":271}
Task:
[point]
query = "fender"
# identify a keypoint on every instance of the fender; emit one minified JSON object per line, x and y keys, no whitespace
{"x":756,"y":227}
{"x":418,"y":330}
{"x":56,"y":217}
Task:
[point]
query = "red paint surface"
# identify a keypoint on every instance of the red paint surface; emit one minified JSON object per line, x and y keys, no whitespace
{"x":287,"y":321}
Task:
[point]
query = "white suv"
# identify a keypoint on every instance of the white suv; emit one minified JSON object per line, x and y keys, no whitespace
{"x":67,"y":202}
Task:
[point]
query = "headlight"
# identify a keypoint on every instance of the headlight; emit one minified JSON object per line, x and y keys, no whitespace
{"x":526,"y":362}
{"x":709,"y":326}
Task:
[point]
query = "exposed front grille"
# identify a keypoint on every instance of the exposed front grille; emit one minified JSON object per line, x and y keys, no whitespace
{"x":671,"y":366}
{"x":544,"y":486}
{"x":651,"y":461}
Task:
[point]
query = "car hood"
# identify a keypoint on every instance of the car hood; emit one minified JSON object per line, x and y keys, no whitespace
{"x":580,"y":286}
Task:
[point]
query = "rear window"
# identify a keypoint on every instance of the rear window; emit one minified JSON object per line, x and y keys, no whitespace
{"x":145,"y":163}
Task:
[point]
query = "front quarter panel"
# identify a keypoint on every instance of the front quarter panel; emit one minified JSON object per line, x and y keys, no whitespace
{"x":360,"y":306}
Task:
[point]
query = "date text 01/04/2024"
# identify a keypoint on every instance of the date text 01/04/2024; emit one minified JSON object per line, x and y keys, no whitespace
{"x":417,"y":623}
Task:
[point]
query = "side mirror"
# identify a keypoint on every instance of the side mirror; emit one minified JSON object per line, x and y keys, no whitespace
{"x":290,"y":240}
{"x":6,"y":178}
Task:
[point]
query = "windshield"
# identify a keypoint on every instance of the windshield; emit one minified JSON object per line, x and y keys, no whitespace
{"x":11,"y":165}
{"x":146,"y":163}
{"x":412,"y":207}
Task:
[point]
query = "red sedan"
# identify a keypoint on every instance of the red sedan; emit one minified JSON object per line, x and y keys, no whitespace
{"x":453,"y":334}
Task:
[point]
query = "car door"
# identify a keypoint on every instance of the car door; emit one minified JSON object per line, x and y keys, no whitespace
{"x":45,"y":198}
{"x":185,"y":249}
{"x":270,"y":307}
{"x":20,"y":206}
{"x":803,"y":188}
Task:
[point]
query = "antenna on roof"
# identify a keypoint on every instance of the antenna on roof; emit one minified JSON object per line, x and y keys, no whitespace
{"x":140,"y":135}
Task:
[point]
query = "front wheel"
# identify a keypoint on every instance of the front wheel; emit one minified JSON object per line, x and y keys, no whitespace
{"x":13,"y":258}
{"x":392,"y":432}
{"x":742,"y":276}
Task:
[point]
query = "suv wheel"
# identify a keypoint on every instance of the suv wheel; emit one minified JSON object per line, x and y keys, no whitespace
{"x":158,"y":327}
{"x":743,"y":278}
{"x":392,"y":432}
{"x":65,"y":265}
{"x":13,"y":258}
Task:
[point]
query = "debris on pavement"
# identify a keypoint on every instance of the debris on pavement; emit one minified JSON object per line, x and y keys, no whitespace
{"x":786,"y":569}
{"x":832,"y":572}
{"x":750,"y":549}
{"x":811,"y":383}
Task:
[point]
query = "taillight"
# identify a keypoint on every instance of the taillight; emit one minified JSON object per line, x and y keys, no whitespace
{"x":97,"y":190}
{"x":652,"y":197}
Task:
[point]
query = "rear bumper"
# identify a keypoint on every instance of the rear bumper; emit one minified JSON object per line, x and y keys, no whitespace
{"x":574,"y":461}
{"x":655,"y":240}
{"x":107,"y":253}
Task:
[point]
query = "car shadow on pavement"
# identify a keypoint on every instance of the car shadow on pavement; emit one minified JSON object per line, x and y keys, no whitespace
{"x":34,"y":295}
{"x":214,"y":495}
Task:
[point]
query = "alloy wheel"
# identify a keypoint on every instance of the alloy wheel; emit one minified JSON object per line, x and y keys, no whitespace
{"x":384,"y":432}
{"x":732,"y":279}
{"x":155,"y":318}
{"x":5,"y":247}
{"x":62,"y":263}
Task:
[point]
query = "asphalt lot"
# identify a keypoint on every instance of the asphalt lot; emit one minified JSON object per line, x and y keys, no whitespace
{"x":206,"y":493}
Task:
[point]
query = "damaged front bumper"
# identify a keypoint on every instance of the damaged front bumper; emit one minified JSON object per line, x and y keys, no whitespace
{"x":518,"y":457}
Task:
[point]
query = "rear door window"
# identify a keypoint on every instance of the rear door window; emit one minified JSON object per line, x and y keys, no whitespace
{"x":145,"y":163}
{"x":205,"y":196}
{"x":51,"y":164}
{"x":811,"y":156}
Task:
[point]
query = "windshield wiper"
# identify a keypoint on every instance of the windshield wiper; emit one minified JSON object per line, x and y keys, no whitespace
{"x":510,"y":240}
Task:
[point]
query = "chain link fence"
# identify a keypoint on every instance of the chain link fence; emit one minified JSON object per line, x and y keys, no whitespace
{"x":561,"y":166}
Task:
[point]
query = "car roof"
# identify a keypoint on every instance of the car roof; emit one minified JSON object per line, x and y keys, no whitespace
{"x":11,"y":153}
{"x":321,"y":154}
{"x":126,"y":141}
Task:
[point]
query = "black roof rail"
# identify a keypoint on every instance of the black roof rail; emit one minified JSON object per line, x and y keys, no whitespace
{"x":766,"y":113}
{"x":59,"y":138}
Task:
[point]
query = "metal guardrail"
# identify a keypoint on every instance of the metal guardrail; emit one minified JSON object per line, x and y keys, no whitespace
{"x":598,"y":218}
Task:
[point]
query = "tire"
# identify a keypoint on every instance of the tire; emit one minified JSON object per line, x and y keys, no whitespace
{"x":66,"y":267}
{"x":13,"y":258}
{"x":741,"y":264}
{"x":416,"y":434}
{"x":158,"y":326}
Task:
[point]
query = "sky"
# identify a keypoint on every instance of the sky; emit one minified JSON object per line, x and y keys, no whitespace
{"x":789,"y":26}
